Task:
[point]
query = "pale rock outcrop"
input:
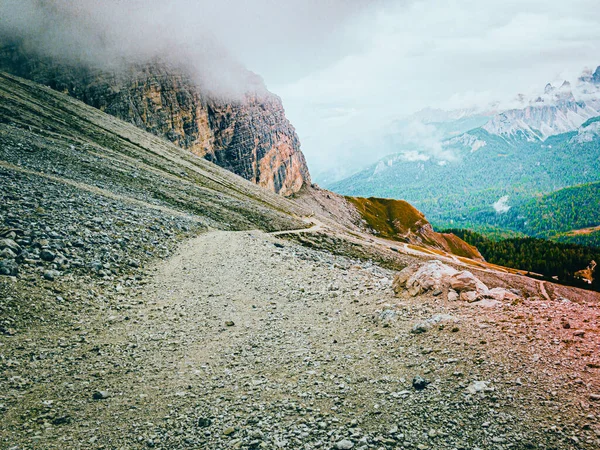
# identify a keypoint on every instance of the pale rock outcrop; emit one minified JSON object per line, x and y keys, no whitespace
{"x":488,"y":303}
{"x":470,"y":296}
{"x":434,"y":275}
{"x":420,"y":278}
{"x":466,"y":281}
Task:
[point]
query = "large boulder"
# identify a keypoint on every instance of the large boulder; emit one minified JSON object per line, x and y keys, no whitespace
{"x":466,"y":281}
{"x":423,"y":277}
{"x":501,"y":294}
{"x":436,"y":276}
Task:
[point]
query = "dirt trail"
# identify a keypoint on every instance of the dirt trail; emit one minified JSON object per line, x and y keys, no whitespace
{"x":316,"y":226}
{"x":543,"y":291}
{"x":240,"y":343}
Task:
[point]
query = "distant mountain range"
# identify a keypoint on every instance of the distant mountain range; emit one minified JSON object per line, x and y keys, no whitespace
{"x":472,"y":177}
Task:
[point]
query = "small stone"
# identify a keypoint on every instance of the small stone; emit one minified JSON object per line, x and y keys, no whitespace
{"x":344,"y":444}
{"x":579,"y":333}
{"x":469,"y":296}
{"x":419,"y":328}
{"x":204,"y":422}
{"x":419,"y":383}
{"x":47,"y":255}
{"x":100,"y":395}
{"x":229,"y":323}
{"x":477,"y":386}
{"x":51,"y":275}
{"x":452,"y":295}
{"x":595,"y":397}
{"x":228,"y":431}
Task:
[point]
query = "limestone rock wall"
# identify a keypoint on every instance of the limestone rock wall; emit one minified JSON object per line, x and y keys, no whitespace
{"x":250,"y":136}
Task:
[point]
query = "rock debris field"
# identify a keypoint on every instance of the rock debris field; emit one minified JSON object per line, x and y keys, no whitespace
{"x":244,"y":340}
{"x":145,"y":302}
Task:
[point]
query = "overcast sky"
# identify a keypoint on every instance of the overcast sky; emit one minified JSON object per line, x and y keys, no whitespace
{"x":344,"y":68}
{"x":398,"y":57}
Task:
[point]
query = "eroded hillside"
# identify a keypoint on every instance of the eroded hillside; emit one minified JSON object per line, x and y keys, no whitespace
{"x":249,"y":135}
{"x":156,"y":300}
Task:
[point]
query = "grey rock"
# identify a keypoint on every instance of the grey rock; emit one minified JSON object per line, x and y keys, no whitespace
{"x":10,"y":244}
{"x":420,"y":383}
{"x":100,"y":395}
{"x":9,"y":267}
{"x":344,"y":444}
{"x":47,"y":255}
{"x":7,"y":253}
{"x":204,"y":422}
{"x":51,"y":275}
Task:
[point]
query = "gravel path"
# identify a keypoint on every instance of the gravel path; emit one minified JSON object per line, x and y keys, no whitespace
{"x":242,"y":340}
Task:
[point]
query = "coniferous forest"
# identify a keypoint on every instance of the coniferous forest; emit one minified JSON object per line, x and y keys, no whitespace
{"x":539,"y":256}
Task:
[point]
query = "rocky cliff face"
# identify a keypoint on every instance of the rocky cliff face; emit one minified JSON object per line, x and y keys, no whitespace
{"x":249,"y":136}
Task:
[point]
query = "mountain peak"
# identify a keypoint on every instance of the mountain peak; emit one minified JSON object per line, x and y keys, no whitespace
{"x":565,"y":85}
{"x":590,"y":77}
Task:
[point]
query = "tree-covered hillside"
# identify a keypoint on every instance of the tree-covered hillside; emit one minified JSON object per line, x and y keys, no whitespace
{"x":462,"y":184}
{"x":540,"y":256}
{"x":573,"y":208}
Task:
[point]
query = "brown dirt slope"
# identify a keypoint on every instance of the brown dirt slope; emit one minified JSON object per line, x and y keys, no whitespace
{"x":399,"y":220}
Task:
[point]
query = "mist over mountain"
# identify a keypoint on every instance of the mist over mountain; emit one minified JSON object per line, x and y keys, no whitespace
{"x":171,"y":277}
{"x":139,"y":62}
{"x":219,"y":41}
{"x":485,"y":173}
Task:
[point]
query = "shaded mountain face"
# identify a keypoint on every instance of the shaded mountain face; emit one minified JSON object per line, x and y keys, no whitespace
{"x":249,"y":136}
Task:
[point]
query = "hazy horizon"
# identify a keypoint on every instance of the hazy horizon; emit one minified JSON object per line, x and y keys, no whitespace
{"x":344,"y":69}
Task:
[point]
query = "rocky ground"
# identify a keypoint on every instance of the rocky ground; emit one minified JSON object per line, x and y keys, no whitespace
{"x":149,"y":299}
{"x":243,"y":340}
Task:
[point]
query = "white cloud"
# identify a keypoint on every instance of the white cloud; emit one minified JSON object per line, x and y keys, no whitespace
{"x":501,"y":206}
{"x":344,"y":68}
{"x":455,"y":54}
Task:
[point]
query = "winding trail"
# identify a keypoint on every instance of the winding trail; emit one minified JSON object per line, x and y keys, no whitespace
{"x":543,"y":291}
